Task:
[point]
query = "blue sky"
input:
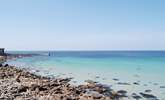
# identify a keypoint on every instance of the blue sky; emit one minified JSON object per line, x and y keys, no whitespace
{"x":82,"y":24}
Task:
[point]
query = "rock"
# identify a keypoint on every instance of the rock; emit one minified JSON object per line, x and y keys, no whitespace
{"x":148,"y":90}
{"x":97,"y":77}
{"x":43,"y":88}
{"x":137,"y":97}
{"x":162,"y":86}
{"x":136,"y":83}
{"x":123,"y":83}
{"x":90,"y":82}
{"x":37,"y":71}
{"x":66,"y":80}
{"x":115,"y":79}
{"x":155,"y":83}
{"x":122,"y":92}
{"x":6,"y":65}
{"x":2,"y":75}
{"x":17,"y":78}
{"x":22,"y":89}
{"x":148,"y":96}
{"x":116,"y":96}
{"x":33,"y":87}
{"x":93,"y":94}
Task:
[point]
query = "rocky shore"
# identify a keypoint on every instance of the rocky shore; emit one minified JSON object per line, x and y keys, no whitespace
{"x":19,"y":84}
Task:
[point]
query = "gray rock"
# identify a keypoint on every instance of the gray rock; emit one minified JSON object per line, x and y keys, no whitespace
{"x":148,"y":96}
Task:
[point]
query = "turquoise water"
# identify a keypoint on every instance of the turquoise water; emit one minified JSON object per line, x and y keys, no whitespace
{"x":145,"y":67}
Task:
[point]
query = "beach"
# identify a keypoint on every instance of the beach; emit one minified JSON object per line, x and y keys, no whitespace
{"x":124,"y":86}
{"x":19,"y":84}
{"x":82,"y":50}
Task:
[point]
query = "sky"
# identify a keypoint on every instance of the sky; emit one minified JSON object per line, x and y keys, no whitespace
{"x":82,"y":24}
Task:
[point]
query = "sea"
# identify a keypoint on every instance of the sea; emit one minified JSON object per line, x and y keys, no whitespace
{"x":133,"y":71}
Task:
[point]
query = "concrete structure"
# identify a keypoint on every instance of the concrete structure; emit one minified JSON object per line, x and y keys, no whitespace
{"x":2,"y":51}
{"x":2,"y":55}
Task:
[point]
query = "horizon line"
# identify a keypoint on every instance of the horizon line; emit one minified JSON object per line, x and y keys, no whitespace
{"x":87,"y":50}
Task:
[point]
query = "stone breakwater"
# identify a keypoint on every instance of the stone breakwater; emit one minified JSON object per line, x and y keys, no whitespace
{"x":7,"y":56}
{"x":16,"y":56}
{"x":19,"y":84}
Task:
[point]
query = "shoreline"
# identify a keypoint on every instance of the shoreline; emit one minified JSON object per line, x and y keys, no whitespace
{"x":20,"y":84}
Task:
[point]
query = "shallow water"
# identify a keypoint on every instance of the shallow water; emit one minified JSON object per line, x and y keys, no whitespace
{"x":145,"y":67}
